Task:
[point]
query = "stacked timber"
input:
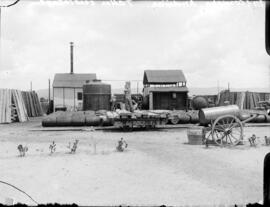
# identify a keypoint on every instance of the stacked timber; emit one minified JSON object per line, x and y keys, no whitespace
{"x":12,"y":107}
{"x":244,"y":100}
{"x":32,"y":103}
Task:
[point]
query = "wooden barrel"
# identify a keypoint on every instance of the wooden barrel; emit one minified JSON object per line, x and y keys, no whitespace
{"x":78,"y":119}
{"x":64,"y":119}
{"x":92,"y":120}
{"x":195,"y":135}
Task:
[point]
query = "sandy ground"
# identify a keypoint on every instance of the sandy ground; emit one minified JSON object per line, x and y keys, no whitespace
{"x":159,"y":167}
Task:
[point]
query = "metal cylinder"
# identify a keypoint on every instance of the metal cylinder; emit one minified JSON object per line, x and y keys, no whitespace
{"x":71,"y":57}
{"x":207,"y":115}
{"x":96,"y":96}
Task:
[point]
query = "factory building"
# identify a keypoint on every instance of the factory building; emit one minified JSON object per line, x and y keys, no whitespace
{"x":68,"y":90}
{"x":165,"y":89}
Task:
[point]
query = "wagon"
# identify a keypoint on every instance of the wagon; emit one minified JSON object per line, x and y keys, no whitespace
{"x":129,"y":122}
{"x":223,"y":125}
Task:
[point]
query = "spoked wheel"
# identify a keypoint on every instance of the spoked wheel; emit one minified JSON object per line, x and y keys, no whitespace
{"x":227,"y":130}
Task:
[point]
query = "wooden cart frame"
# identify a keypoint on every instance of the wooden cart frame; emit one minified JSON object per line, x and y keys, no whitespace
{"x":227,"y":130}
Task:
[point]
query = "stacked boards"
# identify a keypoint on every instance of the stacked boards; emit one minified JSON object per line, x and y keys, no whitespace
{"x":244,"y":100}
{"x":14,"y":107}
{"x":32,"y":104}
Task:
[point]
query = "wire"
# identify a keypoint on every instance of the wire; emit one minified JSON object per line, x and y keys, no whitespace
{"x":11,"y":4}
{"x":18,"y":190}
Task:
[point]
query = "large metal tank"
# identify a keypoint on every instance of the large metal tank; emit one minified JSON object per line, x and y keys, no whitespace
{"x":207,"y":115}
{"x":96,"y":96}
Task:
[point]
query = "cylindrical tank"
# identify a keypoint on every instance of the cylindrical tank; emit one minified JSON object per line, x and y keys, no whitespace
{"x":210,"y":114}
{"x":78,"y":118}
{"x":199,"y":102}
{"x":96,"y":96}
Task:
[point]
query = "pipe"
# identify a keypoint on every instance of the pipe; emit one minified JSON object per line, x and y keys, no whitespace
{"x":71,"y":57}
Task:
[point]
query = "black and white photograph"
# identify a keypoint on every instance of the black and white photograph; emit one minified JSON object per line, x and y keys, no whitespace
{"x":134,"y":103}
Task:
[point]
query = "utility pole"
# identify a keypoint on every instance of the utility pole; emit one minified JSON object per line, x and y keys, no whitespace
{"x":31,"y":86}
{"x":49,"y":92}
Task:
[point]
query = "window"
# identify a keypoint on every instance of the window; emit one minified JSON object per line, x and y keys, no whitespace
{"x":79,"y":96}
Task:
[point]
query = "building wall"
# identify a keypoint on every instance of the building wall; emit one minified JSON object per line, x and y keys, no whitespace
{"x":67,"y":97}
{"x":168,"y":100}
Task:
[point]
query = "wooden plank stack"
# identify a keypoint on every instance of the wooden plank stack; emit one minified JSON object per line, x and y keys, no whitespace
{"x":245,"y":100}
{"x":17,"y":106}
{"x":32,"y":104}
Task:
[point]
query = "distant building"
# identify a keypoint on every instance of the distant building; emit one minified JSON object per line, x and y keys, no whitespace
{"x":165,"y":89}
{"x":68,"y":90}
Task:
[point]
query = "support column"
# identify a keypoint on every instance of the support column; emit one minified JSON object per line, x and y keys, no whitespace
{"x":151,"y":101}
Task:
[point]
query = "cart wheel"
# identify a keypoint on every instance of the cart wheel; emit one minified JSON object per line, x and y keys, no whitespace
{"x":227,"y":130}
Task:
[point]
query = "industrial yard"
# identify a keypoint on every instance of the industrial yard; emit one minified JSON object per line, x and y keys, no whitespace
{"x":134,"y":105}
{"x":159,"y":167}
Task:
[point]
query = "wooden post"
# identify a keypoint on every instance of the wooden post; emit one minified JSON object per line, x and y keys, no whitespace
{"x":151,"y":105}
{"x":49,"y":92}
{"x":128,"y":101}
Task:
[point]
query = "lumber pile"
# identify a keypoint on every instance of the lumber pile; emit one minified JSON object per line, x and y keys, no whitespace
{"x":244,"y":100}
{"x":32,"y":103}
{"x":17,"y":106}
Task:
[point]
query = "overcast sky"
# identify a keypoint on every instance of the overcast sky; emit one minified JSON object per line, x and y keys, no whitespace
{"x":210,"y":42}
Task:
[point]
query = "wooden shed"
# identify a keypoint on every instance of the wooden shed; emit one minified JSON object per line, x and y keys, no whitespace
{"x":165,"y":89}
{"x":68,"y":90}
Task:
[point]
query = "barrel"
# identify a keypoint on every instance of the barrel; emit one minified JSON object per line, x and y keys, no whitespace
{"x":64,"y":119}
{"x":199,"y":102}
{"x":259,"y":119}
{"x":89,"y":113}
{"x":96,"y":96}
{"x":207,"y":115}
{"x":78,"y":119}
{"x":194,"y":116}
{"x":49,"y":121}
{"x":106,"y":121}
{"x":195,"y":135}
{"x":92,"y":120}
{"x":184,"y":118}
{"x":268,"y":119}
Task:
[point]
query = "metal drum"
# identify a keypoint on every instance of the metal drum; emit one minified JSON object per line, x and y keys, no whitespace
{"x":207,"y":115}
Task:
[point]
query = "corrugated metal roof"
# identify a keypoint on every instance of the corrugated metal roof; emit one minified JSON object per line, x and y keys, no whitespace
{"x":163,"y":76}
{"x":75,"y":80}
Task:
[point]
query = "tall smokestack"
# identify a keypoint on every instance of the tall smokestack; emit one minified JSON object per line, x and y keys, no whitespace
{"x":71,"y":57}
